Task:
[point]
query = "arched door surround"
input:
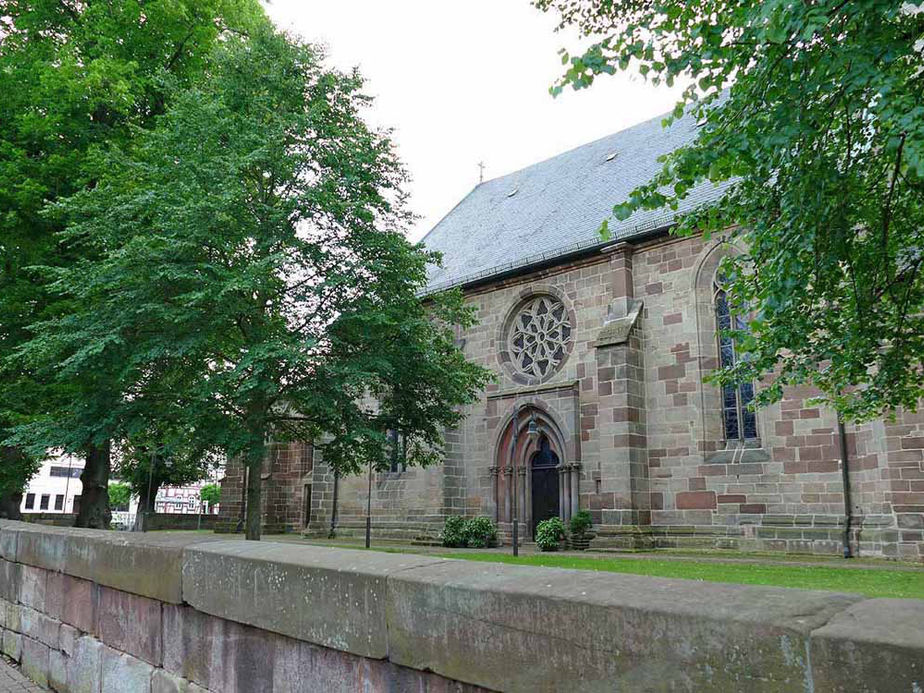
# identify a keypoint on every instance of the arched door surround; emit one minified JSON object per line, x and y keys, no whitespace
{"x":545,"y":451}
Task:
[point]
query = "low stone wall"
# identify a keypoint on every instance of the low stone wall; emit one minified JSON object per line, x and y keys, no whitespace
{"x":161,"y":521}
{"x":54,"y":519}
{"x":101,"y":611}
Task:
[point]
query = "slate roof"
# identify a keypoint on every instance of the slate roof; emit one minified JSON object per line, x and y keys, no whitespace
{"x":555,"y":207}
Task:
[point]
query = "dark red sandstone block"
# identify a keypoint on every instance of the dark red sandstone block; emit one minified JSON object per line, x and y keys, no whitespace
{"x":696,"y":500}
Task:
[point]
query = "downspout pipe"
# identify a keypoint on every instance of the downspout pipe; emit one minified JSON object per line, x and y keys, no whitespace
{"x":845,"y":476}
{"x":333,"y":513}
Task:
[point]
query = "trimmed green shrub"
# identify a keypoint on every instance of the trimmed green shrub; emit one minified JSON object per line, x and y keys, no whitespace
{"x":581,"y":522}
{"x":480,"y":532}
{"x":474,"y":532}
{"x":453,"y":534}
{"x":549,"y":533}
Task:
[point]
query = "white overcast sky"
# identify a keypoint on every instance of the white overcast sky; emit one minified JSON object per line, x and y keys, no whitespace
{"x":463,"y":81}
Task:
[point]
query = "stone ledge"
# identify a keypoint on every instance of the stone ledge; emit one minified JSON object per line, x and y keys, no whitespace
{"x":143,"y":564}
{"x":538,"y":629}
{"x":330,"y":597}
{"x":491,"y":625}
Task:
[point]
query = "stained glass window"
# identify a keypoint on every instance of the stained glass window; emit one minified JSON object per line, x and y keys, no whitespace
{"x":739,"y":421}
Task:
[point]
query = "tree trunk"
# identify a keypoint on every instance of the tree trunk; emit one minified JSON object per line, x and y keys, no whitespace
{"x":94,"y":499}
{"x":147,"y":494}
{"x":12,"y":459}
{"x":9,"y":506}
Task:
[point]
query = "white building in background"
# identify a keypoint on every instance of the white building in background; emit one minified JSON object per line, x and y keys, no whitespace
{"x":56,"y":488}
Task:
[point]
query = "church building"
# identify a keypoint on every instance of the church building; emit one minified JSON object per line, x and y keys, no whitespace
{"x":601,"y":351}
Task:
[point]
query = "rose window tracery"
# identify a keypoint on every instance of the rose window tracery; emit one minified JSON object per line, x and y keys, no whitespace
{"x":539,"y":337}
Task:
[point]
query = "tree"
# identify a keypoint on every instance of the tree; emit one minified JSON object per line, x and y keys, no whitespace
{"x":211,"y":494}
{"x":119,"y":495}
{"x":77,"y":78}
{"x":160,"y":458}
{"x":243,"y":265}
{"x":814,"y":112}
{"x":16,"y":469}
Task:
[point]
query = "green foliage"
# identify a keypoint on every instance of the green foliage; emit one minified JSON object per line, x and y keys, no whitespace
{"x":473,"y":532}
{"x":453,"y":534}
{"x":163,"y":455}
{"x":549,"y":534}
{"x":480,"y":533}
{"x":78,"y":78}
{"x":580,"y":523}
{"x":244,"y":275}
{"x":211,"y":494}
{"x":15,"y":471}
{"x":811,"y":116}
{"x":119,"y":495}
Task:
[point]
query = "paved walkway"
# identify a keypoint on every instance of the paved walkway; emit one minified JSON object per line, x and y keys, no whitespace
{"x":12,"y":680}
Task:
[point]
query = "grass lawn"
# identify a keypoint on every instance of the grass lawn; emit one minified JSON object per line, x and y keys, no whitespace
{"x":872,"y":582}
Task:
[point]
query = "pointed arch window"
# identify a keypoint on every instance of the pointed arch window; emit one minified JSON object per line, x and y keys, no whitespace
{"x":544,"y":456}
{"x":739,"y":421}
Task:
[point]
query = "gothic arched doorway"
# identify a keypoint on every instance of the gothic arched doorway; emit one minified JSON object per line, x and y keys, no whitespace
{"x":532,"y":477}
{"x":544,"y":483}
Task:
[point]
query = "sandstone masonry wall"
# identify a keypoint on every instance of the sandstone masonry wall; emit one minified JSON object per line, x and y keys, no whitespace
{"x":640,"y":431}
{"x":85,"y":610}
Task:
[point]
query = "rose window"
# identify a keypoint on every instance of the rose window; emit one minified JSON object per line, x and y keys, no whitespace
{"x":539,"y":337}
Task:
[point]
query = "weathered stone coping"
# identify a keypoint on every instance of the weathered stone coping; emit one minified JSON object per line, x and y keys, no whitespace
{"x":507,"y":627}
{"x":146,"y":564}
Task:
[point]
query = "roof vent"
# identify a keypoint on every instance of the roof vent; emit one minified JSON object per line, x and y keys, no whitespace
{"x":513,"y":192}
{"x":611,"y":156}
{"x":701,"y":122}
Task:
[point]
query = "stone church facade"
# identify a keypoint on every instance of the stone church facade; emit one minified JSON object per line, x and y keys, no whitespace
{"x":601,"y":351}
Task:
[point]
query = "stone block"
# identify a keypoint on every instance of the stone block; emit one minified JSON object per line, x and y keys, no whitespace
{"x":41,"y":546}
{"x":8,"y":538}
{"x":57,"y":670}
{"x":246,"y":662}
{"x":38,"y":626}
{"x":79,"y":604}
{"x":83,"y":668}
{"x":32,"y":587}
{"x":67,"y":639}
{"x":525,"y":628}
{"x":331,"y":597}
{"x":301,"y":666}
{"x":14,"y":617}
{"x":193,"y":644}
{"x":146,"y":565}
{"x":121,"y":673}
{"x":12,"y":645}
{"x":130,"y":623}
{"x":163,"y":682}
{"x":9,"y":580}
{"x":696,"y":500}
{"x":35,"y":660}
{"x":871,"y":643}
